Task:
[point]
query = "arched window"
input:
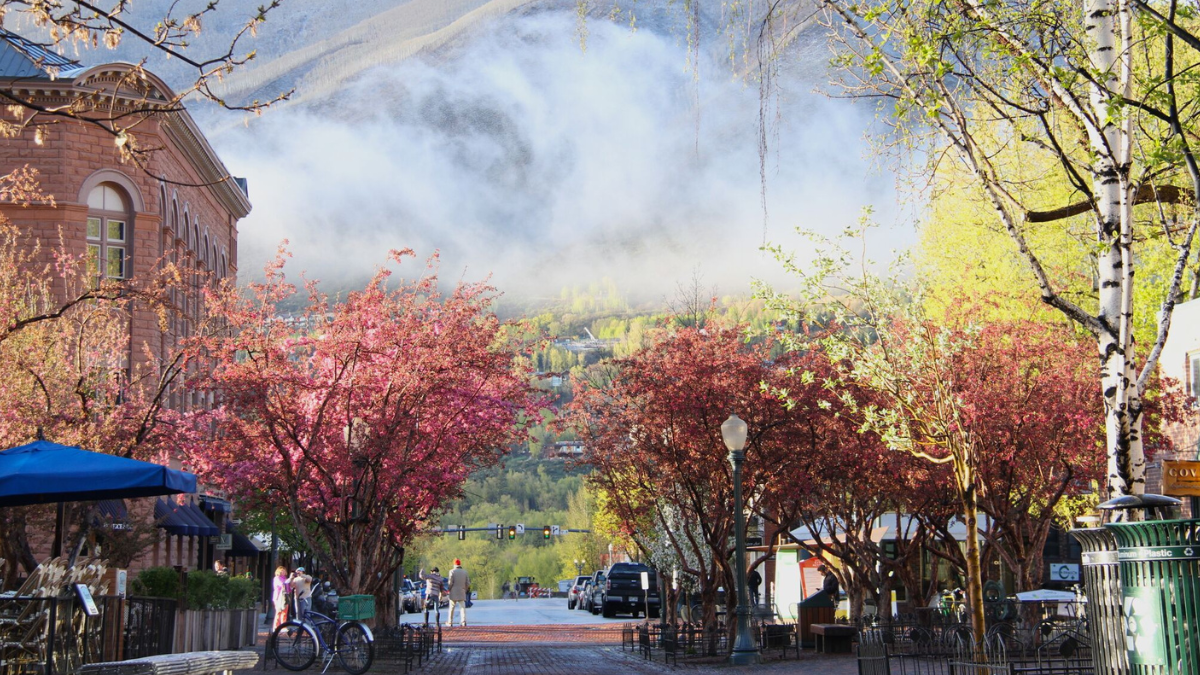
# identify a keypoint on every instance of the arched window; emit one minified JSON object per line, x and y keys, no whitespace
{"x":107,"y":231}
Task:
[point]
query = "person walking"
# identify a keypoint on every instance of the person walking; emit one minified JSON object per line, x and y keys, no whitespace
{"x":504,"y":589}
{"x":458,"y":588}
{"x":280,"y":588}
{"x":302,"y":586}
{"x":435,"y":583}
{"x":754,"y":580}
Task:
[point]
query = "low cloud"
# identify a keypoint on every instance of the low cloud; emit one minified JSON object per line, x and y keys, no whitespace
{"x":519,"y":156}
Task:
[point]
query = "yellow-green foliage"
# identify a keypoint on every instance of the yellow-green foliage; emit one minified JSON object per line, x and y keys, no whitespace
{"x":965,"y":252}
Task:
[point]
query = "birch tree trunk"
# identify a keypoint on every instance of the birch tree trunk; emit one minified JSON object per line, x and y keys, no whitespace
{"x":1108,"y":25}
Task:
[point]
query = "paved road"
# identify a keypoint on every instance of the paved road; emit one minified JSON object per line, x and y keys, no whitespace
{"x":527,"y":612}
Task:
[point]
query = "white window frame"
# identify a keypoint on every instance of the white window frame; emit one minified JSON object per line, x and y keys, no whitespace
{"x":108,"y":236}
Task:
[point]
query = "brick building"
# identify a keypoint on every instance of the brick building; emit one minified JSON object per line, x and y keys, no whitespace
{"x":177,"y":203}
{"x":1180,"y":361}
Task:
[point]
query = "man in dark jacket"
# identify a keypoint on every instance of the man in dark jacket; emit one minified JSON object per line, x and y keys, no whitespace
{"x":754,"y":580}
{"x":830,"y":584}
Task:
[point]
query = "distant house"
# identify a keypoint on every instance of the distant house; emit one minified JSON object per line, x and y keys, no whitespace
{"x":181,"y":206}
{"x":566,"y":449}
{"x":1180,"y":361}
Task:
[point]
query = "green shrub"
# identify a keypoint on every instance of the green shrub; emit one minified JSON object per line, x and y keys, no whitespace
{"x":243,"y":592}
{"x":207,"y":590}
{"x":157,"y":582}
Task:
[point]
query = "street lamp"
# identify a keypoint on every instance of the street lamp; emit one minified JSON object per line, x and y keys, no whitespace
{"x":579,"y":567}
{"x":745,"y":651}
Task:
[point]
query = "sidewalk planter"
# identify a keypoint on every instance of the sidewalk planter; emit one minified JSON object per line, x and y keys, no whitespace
{"x":1159,"y":562}
{"x":202,"y":630}
{"x":1102,"y":583}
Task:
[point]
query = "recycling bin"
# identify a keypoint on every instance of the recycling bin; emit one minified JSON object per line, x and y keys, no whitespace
{"x":1102,"y":584}
{"x":1159,"y":569}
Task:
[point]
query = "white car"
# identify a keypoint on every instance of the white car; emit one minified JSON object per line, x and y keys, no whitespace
{"x":574,"y":594}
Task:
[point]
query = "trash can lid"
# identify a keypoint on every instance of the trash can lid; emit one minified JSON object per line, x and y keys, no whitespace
{"x":1128,"y":502}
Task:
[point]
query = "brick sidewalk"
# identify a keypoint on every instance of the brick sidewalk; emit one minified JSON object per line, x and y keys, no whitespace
{"x":592,"y":660}
{"x":581,"y":660}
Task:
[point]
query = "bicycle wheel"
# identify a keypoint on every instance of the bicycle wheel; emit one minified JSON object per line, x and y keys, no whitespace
{"x":355,"y":651}
{"x":295,"y":648}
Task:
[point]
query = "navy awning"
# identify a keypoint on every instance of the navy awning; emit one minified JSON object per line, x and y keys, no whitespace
{"x":171,"y":518}
{"x":242,"y":546}
{"x":204,"y":526}
{"x":112,"y":514}
{"x":215,"y":504}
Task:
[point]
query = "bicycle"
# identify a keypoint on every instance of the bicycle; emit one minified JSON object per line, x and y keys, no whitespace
{"x":297,"y":643}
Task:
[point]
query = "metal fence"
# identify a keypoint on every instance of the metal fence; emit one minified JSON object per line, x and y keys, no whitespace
{"x":951,"y":652}
{"x":149,"y":626}
{"x":40,"y":635}
{"x":406,"y":646}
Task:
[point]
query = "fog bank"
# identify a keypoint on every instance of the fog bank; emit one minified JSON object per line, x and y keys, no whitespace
{"x":517,"y":155}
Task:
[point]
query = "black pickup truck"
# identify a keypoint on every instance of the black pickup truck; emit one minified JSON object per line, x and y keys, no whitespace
{"x":623,"y":592}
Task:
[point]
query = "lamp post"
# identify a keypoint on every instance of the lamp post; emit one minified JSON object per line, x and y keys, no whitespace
{"x":579,"y":567}
{"x":745,"y":650}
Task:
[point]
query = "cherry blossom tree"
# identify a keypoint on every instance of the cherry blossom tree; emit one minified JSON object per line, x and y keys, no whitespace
{"x":361,"y":419}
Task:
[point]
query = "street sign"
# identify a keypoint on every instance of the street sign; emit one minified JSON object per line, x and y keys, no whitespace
{"x":1181,"y":478}
{"x":645,"y":581}
{"x":555,"y":530}
{"x":520,"y":528}
{"x":1064,"y":572}
{"x":85,"y":598}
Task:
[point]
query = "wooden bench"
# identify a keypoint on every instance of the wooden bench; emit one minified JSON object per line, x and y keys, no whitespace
{"x":190,"y":663}
{"x":833,"y":638}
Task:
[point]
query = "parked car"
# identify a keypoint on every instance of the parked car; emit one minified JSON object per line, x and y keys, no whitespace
{"x":574,"y":592}
{"x":595,"y":586}
{"x":623,"y":593}
{"x":410,"y":596}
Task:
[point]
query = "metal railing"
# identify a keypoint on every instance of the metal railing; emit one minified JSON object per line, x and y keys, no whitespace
{"x":406,"y":646}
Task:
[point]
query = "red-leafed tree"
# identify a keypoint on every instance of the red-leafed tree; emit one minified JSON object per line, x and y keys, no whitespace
{"x":360,"y":418}
{"x":852,"y":493}
{"x":1028,"y":389}
{"x":652,"y":430}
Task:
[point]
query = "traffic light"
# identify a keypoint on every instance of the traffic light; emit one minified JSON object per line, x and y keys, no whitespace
{"x":499,"y":531}
{"x":546,"y":532}
{"x":462,"y":533}
{"x":512,"y":532}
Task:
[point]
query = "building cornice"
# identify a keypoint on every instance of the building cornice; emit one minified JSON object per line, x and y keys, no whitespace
{"x":111,"y":87}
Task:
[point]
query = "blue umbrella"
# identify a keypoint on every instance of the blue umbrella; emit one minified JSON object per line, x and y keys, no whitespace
{"x":43,"y":472}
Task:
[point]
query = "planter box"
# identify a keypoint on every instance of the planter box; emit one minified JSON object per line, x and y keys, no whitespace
{"x":202,"y":630}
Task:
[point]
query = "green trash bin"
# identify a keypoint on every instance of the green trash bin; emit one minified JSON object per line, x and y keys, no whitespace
{"x":1102,"y":585}
{"x":1159,"y":562}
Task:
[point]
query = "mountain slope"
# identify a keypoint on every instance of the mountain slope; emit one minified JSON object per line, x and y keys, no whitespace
{"x":321,"y":67}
